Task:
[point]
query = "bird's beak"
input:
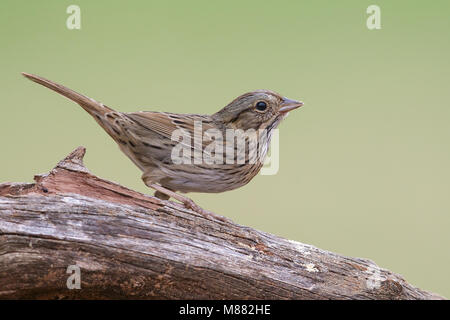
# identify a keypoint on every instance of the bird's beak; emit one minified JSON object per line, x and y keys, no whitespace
{"x":289,"y":105}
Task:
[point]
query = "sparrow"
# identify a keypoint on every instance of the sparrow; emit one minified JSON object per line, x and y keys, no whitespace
{"x":147,"y":139}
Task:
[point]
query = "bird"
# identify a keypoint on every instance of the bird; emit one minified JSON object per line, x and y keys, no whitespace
{"x":147,"y":139}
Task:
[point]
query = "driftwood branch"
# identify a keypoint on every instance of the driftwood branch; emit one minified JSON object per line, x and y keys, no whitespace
{"x":130,"y":245}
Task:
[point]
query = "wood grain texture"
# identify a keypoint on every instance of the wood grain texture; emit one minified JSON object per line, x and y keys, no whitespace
{"x":132,"y":246}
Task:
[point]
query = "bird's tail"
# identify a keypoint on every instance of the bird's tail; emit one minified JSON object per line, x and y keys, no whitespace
{"x":94,"y":108}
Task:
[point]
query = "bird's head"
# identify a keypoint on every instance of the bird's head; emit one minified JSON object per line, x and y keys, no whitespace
{"x":262,"y":109}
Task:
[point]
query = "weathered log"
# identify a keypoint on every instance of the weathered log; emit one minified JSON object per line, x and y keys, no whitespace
{"x":130,"y":245}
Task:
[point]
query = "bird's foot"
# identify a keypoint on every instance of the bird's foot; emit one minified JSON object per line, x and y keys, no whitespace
{"x":164,"y":193}
{"x":190,"y":204}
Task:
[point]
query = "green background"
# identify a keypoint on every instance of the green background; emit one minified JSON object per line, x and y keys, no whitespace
{"x":364,"y":165}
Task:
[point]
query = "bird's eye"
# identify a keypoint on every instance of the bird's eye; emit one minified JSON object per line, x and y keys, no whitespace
{"x":261,"y":106}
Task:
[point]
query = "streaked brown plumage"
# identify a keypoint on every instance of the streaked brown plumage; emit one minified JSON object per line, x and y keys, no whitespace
{"x":145,"y":137}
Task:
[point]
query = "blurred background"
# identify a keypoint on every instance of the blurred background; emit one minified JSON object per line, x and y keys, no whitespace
{"x":364,"y":165}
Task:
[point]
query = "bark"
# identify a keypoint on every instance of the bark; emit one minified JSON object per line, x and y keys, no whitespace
{"x":128,"y":245}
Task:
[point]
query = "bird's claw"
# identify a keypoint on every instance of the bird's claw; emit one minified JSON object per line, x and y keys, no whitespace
{"x":189,"y":204}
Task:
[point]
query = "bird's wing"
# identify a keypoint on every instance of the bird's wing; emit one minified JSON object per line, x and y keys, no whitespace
{"x":151,"y":126}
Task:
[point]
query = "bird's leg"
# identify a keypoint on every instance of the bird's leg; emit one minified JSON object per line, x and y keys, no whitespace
{"x":162,"y":191}
{"x":187,"y":202}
